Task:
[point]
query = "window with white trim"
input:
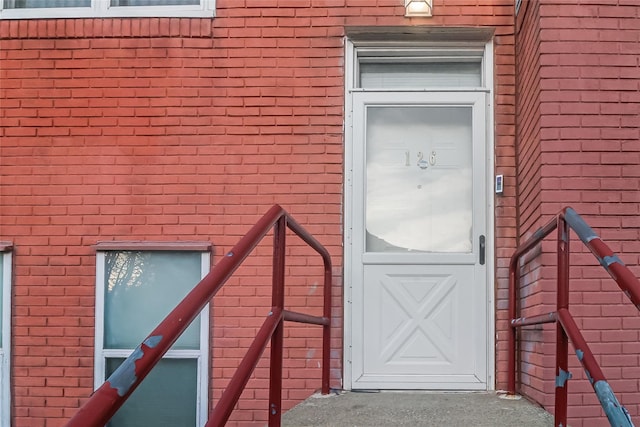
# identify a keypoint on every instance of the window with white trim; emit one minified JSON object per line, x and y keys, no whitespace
{"x":136,"y":289}
{"x":28,"y":9}
{"x":5,"y":333}
{"x":419,"y":68}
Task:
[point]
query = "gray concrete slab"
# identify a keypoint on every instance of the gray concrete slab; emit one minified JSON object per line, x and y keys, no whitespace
{"x":415,"y":409}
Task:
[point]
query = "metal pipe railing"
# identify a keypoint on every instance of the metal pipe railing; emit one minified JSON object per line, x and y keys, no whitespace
{"x":625,"y":279}
{"x":109,"y":397}
{"x":514,"y":278}
{"x":566,"y":328}
{"x":616,"y":413}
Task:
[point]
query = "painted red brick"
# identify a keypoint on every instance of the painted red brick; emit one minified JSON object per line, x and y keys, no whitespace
{"x":189,"y":129}
{"x":581,"y":58}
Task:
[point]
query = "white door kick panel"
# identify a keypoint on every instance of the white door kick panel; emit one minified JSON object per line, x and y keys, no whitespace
{"x":417,"y":322}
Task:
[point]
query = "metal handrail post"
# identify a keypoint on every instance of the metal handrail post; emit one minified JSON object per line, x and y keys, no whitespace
{"x":511,"y":338}
{"x":562,"y":342}
{"x":615,"y":412}
{"x":277,"y":300}
{"x":328,"y":278}
{"x":326,"y":329}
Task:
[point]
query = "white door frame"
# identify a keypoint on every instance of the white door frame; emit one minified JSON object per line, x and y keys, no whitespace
{"x":5,"y":345}
{"x":351,"y":59}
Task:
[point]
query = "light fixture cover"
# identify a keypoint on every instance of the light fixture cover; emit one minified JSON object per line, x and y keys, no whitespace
{"x":418,"y":7}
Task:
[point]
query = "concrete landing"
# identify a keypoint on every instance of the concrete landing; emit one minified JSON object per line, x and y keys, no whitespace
{"x":415,"y":409}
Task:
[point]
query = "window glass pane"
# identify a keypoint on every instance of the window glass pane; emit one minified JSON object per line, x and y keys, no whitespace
{"x":420,"y":74}
{"x":167,"y":397}
{"x":141,"y":288}
{"x":38,"y":4}
{"x":154,"y":2}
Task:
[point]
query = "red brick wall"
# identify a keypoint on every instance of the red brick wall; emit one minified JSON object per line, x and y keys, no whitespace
{"x":534,"y":371}
{"x":588,"y":132}
{"x":189,"y":129}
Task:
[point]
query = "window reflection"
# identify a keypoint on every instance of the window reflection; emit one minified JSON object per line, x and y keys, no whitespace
{"x":142,"y":287}
{"x":166,"y":398}
{"x":419,"y":179}
{"x":126,"y":269}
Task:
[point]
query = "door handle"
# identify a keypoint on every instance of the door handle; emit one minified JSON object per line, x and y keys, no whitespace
{"x":483,"y":249}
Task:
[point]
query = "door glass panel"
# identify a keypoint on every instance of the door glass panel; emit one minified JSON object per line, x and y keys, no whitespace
{"x":419,"y":179}
{"x":166,"y":397}
{"x":141,"y":288}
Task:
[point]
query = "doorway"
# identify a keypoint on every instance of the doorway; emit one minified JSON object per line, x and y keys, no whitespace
{"x":417,"y":229}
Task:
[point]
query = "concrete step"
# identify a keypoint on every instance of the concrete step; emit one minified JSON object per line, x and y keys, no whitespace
{"x":415,"y":409}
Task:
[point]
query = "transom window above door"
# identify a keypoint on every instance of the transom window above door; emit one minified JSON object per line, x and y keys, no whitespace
{"x":419,"y":68}
{"x":34,"y":9}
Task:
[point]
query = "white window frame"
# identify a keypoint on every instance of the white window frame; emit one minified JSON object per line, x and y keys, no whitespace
{"x":5,"y":349}
{"x":201,"y":355}
{"x":102,"y":9}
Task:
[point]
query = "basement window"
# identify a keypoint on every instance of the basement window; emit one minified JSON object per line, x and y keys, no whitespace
{"x":137,"y":286}
{"x":34,"y":9}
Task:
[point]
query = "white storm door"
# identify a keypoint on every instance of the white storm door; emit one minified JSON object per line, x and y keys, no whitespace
{"x":419,"y":294}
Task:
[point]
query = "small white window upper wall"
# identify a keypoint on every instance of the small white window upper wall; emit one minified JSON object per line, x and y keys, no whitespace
{"x":36,"y":9}
{"x":5,"y":334}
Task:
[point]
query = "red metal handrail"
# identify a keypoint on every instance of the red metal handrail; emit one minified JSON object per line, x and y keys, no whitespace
{"x":109,"y":397}
{"x":566,"y":328}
